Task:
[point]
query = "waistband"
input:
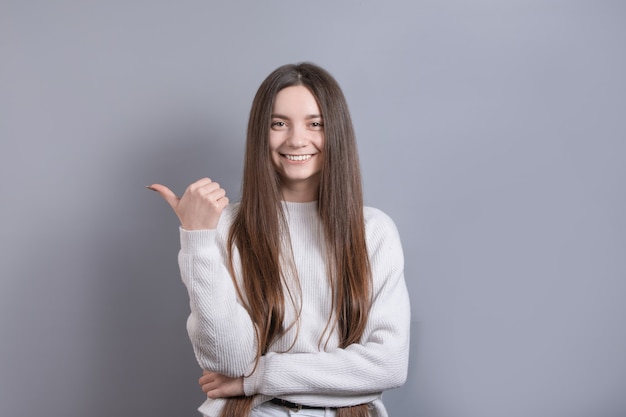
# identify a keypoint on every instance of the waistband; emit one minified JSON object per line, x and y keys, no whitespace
{"x":294,"y":406}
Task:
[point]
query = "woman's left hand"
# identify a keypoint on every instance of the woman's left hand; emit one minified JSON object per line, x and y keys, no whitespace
{"x":216,"y":385}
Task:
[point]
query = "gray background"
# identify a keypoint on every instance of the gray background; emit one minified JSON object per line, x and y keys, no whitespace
{"x":491,"y":131}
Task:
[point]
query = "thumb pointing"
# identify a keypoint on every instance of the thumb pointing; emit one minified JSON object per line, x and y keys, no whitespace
{"x":166,"y":193}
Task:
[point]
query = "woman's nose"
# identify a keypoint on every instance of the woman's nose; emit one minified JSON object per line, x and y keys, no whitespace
{"x":298,"y":137}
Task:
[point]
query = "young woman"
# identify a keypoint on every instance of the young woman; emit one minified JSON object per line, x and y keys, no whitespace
{"x":297,"y":293}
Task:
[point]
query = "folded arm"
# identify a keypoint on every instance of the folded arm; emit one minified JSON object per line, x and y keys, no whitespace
{"x":377,"y":363}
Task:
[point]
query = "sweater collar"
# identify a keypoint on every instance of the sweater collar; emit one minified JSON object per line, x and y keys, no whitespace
{"x":299,"y":209}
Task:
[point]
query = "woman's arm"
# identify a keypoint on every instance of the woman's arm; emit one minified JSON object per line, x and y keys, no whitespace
{"x":219,"y":327}
{"x":379,"y":362}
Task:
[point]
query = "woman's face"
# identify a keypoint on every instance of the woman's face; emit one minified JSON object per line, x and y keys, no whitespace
{"x":296,"y":143}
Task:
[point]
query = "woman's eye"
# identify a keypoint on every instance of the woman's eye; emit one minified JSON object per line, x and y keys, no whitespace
{"x":317,"y":124}
{"x":278,"y":124}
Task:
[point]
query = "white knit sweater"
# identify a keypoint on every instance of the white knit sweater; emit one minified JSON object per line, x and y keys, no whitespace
{"x":313,"y":373}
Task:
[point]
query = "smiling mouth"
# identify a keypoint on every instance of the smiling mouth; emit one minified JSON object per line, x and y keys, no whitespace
{"x":298,"y":157}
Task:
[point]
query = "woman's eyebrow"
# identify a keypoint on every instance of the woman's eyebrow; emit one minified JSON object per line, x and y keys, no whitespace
{"x":309,"y":116}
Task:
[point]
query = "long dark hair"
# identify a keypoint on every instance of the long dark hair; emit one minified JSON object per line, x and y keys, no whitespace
{"x":260,"y":220}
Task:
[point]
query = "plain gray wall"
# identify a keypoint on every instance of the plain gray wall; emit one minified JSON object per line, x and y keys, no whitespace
{"x":491,"y":131}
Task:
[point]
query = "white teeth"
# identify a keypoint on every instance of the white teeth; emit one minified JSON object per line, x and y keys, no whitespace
{"x":298,"y":157}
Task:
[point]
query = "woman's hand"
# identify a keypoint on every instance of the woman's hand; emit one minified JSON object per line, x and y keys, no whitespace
{"x":215,"y":385}
{"x":201,"y":205}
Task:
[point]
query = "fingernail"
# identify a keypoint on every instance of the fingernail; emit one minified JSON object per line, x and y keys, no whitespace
{"x":150,"y":188}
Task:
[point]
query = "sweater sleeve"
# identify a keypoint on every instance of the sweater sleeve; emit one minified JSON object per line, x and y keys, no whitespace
{"x":377,"y":363}
{"x":220,"y":328}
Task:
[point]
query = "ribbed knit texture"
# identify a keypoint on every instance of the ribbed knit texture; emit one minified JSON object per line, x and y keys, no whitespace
{"x":313,"y":372}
